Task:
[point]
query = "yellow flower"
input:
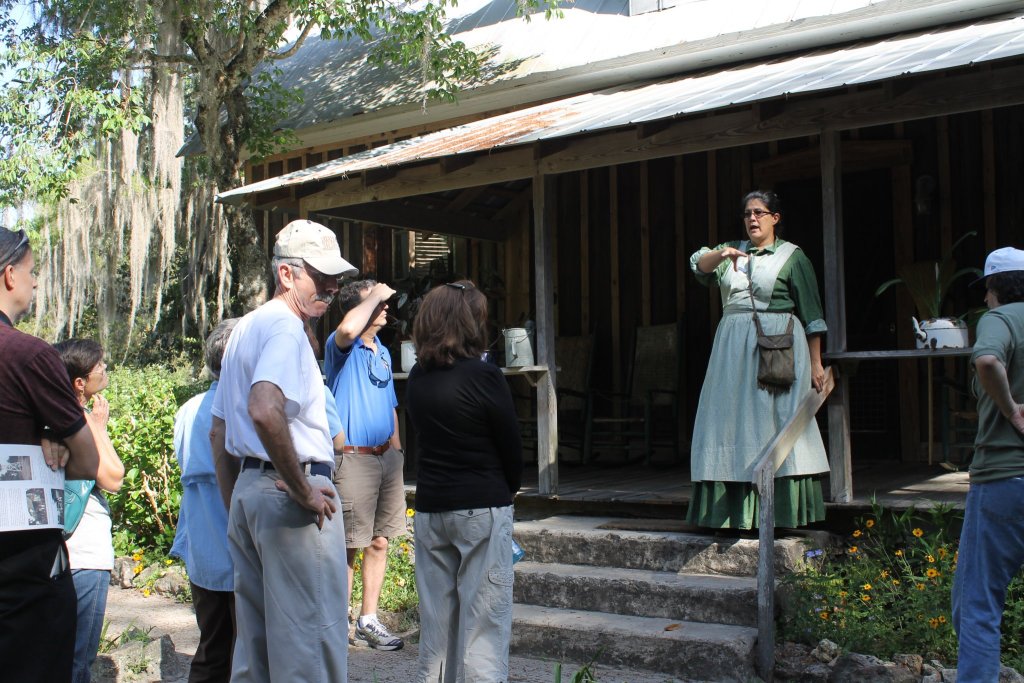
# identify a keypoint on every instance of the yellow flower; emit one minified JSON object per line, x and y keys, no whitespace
{"x":168,"y":561}
{"x":942,"y":619}
{"x":895,"y":582}
{"x":866,"y":586}
{"x":824,"y":615}
{"x":137,"y":556}
{"x":853,"y":550}
{"x":866,"y":598}
{"x":918,"y":532}
{"x":400,"y":581}
{"x":404,"y":547}
{"x":932,"y":572}
{"x":870,"y":523}
{"x":409,"y":512}
{"x":884,"y":574}
{"x":145,"y":592}
{"x":930,"y":558}
{"x":858,"y":533}
{"x":933,"y":622}
{"x":843,"y":594}
{"x":920,"y":586}
{"x":137,"y":569}
{"x":943,"y":552}
{"x":899,"y":553}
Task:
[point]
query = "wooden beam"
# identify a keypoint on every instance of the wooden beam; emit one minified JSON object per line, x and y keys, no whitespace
{"x":929,"y":97}
{"x":858,"y":155}
{"x":544,"y":148}
{"x":645,"y":245}
{"x":988,"y":183}
{"x":646,"y":130}
{"x":835,"y":314}
{"x":682,"y":260}
{"x":465,"y":198}
{"x":712,"y":175}
{"x":613,"y":279}
{"x":544,"y":198}
{"x":945,"y":187}
{"x":584,"y":177}
{"x":514,"y":207}
{"x":376,"y":176}
{"x":903,"y":250}
{"x":453,"y":163}
{"x":423,"y":219}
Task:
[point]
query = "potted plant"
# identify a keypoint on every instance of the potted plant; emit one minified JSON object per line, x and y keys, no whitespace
{"x":928,"y":283}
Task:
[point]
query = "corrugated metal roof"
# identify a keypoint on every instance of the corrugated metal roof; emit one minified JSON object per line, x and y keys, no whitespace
{"x":339,"y":82}
{"x":627,"y":105}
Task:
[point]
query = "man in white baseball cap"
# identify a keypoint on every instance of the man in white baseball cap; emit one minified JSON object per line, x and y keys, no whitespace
{"x":314,"y":244}
{"x":992,"y":539}
{"x":286,"y":535}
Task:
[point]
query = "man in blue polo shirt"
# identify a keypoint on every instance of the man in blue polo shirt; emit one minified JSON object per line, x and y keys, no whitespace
{"x":369,"y":476}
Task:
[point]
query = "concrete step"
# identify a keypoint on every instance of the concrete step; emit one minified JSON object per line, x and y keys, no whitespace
{"x":639,"y":592}
{"x":567,"y":539}
{"x":690,"y":650}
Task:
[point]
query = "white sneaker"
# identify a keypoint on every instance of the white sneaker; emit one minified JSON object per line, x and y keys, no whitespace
{"x":374,"y":634}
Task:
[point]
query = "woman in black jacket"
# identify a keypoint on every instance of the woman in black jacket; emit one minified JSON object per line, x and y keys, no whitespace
{"x":470,"y":467}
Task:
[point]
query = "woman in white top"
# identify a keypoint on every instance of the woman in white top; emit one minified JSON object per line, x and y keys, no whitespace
{"x":91,"y":547}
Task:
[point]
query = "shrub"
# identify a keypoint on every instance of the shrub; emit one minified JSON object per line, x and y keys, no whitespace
{"x":888,"y":590}
{"x":398,"y":594}
{"x":143,"y":402}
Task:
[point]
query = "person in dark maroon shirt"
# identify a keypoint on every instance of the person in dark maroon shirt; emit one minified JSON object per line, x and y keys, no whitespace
{"x":37,"y":596}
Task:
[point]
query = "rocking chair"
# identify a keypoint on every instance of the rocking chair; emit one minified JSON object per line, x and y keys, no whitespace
{"x":628,"y":420}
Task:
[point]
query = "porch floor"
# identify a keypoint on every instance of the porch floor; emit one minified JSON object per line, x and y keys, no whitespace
{"x":894,"y":484}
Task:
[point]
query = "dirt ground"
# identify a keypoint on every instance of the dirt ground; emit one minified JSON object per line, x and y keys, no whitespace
{"x":165,"y":616}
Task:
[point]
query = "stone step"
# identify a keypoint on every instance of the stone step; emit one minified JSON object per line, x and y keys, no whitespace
{"x":639,"y":592}
{"x":567,"y":539}
{"x":689,"y":650}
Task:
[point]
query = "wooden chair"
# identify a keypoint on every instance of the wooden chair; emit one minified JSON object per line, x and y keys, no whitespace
{"x":628,"y":421}
{"x":573,"y":359}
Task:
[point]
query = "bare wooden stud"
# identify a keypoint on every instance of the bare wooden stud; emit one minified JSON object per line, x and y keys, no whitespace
{"x":645,"y":244}
{"x":544,"y":198}
{"x":584,"y":177}
{"x":835,"y":313}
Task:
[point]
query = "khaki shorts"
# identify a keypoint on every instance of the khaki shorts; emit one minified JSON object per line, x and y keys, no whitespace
{"x":372,"y":489}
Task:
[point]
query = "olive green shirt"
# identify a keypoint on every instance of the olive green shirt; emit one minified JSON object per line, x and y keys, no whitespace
{"x":796,"y":288}
{"x":999,"y":448}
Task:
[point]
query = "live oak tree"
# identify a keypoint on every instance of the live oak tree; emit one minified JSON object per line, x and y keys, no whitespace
{"x":92,"y":92}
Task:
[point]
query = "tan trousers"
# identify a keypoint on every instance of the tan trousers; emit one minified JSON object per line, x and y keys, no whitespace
{"x":291,"y":603}
{"x":464,"y":578}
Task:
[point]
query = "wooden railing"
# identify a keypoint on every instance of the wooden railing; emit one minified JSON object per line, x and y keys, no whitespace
{"x":768,"y":463}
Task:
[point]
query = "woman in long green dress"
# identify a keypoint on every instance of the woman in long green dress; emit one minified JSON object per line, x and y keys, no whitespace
{"x":735,"y":417}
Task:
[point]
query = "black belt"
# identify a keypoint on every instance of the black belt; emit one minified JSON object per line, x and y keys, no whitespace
{"x":312,"y":468}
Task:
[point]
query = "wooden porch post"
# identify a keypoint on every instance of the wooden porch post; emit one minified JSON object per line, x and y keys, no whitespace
{"x":547,"y":406}
{"x":835,"y":313}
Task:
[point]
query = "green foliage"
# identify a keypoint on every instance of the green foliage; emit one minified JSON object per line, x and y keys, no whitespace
{"x":585,"y":674}
{"x":143,"y":402}
{"x":929,"y":281}
{"x":63,"y":90}
{"x":132,"y":634}
{"x":399,"y":591}
{"x":888,"y":591}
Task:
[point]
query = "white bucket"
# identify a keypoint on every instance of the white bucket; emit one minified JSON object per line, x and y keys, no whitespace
{"x":408,"y":355}
{"x":518,"y":351}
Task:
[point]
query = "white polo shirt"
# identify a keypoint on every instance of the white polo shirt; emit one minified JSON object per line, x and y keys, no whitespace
{"x":270,"y":345}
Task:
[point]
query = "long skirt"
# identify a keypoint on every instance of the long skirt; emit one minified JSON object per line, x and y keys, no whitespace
{"x":736,"y":419}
